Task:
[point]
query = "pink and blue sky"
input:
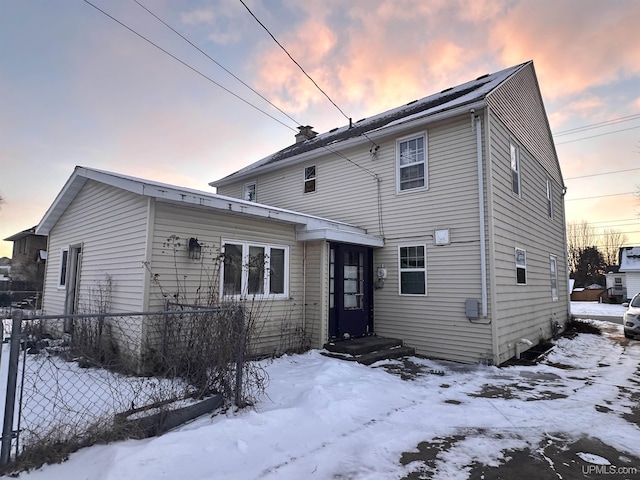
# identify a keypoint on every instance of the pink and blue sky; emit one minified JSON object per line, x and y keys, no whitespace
{"x":77,"y":88}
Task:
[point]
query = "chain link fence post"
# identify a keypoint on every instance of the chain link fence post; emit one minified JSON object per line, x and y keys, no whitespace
{"x":12,"y":379}
{"x":240,"y":329}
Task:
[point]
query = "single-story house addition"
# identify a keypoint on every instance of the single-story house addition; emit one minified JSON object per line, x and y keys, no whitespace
{"x":137,"y":232}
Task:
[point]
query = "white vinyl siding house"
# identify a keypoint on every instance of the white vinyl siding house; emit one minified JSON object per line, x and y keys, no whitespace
{"x":110,"y":225}
{"x":492,"y":176}
{"x":137,"y":233}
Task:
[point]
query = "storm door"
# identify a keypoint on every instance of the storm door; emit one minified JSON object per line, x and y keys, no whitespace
{"x":72,"y":284}
{"x":351,"y":291}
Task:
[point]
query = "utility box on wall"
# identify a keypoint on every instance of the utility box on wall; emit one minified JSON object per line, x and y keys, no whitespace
{"x":471,"y":308}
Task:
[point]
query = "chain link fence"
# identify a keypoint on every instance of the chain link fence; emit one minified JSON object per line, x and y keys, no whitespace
{"x":83,"y":379}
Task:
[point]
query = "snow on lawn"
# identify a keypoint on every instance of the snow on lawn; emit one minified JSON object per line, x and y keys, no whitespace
{"x":584,"y":309}
{"x":326,"y":418}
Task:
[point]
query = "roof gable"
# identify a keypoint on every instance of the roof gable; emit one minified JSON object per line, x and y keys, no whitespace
{"x":450,"y":98}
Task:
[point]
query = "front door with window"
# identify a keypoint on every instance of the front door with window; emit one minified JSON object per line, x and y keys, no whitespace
{"x":351,"y":291}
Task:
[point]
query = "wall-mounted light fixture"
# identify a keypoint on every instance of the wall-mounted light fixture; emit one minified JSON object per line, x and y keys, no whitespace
{"x":195,"y":249}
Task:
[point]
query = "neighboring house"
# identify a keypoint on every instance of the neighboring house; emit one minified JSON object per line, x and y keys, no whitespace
{"x":464,"y":191}
{"x":616,"y":284}
{"x":28,"y":260}
{"x":142,"y":235}
{"x":630,"y":266}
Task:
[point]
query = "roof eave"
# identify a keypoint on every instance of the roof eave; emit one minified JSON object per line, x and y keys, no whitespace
{"x":376,"y":134}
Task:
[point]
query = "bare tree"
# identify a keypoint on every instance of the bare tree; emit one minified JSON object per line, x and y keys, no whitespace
{"x":579,"y":236}
{"x":610,"y":245}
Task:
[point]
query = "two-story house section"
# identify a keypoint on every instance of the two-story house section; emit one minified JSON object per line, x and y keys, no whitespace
{"x":464,"y":188}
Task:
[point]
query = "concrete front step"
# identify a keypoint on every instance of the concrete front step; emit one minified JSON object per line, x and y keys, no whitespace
{"x":368,"y":350}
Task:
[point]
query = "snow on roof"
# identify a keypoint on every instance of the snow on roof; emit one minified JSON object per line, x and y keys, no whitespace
{"x":447,"y":99}
{"x":630,"y":259}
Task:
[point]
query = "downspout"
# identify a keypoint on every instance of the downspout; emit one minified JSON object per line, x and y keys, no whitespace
{"x":304,"y":287}
{"x":481,"y":214}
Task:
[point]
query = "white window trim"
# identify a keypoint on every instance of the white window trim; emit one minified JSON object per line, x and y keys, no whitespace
{"x":553,"y":266}
{"x":524,"y":267}
{"x":245,"y":271}
{"x":426,"y":163}
{"x":63,"y":286}
{"x":314,"y":179}
{"x":401,"y":270}
{"x":514,"y":147}
{"x":550,"y":198}
{"x":255,"y":191}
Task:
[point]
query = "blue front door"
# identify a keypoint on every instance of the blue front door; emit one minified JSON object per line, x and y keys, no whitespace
{"x":351,"y":291}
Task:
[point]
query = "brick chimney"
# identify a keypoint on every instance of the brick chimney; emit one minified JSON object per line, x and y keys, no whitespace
{"x":305,"y":133}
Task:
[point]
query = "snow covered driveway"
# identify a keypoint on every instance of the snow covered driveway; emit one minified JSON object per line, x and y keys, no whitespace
{"x":573,"y":416}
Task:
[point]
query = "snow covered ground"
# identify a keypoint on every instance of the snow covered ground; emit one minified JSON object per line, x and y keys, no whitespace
{"x":325,"y":418}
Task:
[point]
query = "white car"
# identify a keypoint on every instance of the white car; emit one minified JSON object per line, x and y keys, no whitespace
{"x":631,"y":319}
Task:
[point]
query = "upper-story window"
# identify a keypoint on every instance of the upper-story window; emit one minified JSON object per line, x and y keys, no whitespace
{"x":549,"y":198}
{"x":515,"y":169}
{"x":310,"y":179}
{"x":411,"y":163}
{"x":249,"y":191}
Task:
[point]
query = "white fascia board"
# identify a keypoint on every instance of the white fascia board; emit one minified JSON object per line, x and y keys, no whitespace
{"x":61,"y":202}
{"x":417,"y":120}
{"x":341,"y":236}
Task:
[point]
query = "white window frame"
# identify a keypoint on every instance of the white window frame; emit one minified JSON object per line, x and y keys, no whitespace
{"x":308,"y":179}
{"x":520,"y":260}
{"x":244,"y":282}
{"x":412,"y":269}
{"x":550,"y":198}
{"x":63,"y":268}
{"x":424,"y":162}
{"x":514,"y":155}
{"x":246,"y":192}
{"x":553,"y":266}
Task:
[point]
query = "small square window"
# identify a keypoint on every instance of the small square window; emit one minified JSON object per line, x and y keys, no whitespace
{"x":249,"y":192}
{"x":310,"y":179}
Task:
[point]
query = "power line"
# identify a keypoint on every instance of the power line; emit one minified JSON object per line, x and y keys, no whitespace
{"x":189,"y":66}
{"x":292,"y":59}
{"x":217,"y":63}
{"x":335,"y":152}
{"x":599,"y":196}
{"x":591,"y":126}
{"x":594,"y":136}
{"x":302,"y":69}
{"x":603,"y":173}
